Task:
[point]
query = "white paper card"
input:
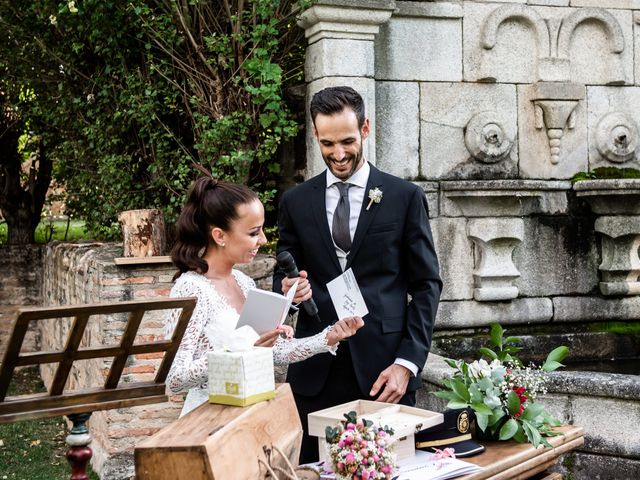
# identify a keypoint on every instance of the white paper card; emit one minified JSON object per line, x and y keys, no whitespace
{"x":264,"y":310}
{"x":346,"y":296}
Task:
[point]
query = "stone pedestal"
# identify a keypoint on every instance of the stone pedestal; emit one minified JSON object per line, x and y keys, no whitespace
{"x":620,"y":267}
{"x":617,"y":204}
{"x":495,"y":272}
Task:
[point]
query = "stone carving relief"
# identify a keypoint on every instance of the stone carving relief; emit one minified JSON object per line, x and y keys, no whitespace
{"x":616,"y":137}
{"x":488,"y":139}
{"x":553,"y":38}
{"x":555,"y":105}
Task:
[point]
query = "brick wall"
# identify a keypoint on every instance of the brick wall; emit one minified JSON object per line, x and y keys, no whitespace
{"x":20,"y":276}
{"x":86,"y":273}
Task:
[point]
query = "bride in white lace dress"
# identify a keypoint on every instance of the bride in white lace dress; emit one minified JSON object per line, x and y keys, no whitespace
{"x":225,"y":221}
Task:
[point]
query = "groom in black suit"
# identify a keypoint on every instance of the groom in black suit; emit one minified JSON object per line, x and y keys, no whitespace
{"x":355,"y":216}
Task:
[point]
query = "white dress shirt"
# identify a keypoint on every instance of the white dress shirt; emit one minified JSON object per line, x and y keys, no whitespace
{"x":356,"y":194}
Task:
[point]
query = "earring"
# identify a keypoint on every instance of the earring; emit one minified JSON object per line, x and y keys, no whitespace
{"x":222,"y":244}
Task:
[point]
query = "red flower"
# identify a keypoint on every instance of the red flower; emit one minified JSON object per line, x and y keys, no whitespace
{"x":522,"y":397}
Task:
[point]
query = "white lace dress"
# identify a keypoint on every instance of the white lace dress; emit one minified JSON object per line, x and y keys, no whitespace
{"x":213,"y":316}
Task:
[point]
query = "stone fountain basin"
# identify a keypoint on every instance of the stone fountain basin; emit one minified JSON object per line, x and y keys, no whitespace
{"x":611,"y":196}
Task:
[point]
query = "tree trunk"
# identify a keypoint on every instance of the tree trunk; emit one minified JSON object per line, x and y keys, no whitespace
{"x":22,"y":193}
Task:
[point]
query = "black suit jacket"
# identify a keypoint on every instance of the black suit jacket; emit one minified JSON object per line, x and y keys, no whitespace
{"x":392,"y":256}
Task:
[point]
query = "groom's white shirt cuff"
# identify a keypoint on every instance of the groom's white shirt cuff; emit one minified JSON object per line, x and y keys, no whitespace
{"x":412,"y":367}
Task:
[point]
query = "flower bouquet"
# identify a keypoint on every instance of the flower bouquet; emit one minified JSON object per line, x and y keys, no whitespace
{"x":502,"y":391}
{"x":360,"y":449}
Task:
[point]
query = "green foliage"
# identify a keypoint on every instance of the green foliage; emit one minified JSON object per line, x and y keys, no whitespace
{"x":502,"y":392}
{"x":602,"y":173}
{"x":49,"y":230}
{"x":137,"y":98}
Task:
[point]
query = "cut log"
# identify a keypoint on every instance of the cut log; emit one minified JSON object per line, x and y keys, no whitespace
{"x":143,"y":233}
{"x":221,"y":442}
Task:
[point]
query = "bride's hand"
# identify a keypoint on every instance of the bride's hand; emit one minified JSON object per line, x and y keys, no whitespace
{"x":343,"y":329}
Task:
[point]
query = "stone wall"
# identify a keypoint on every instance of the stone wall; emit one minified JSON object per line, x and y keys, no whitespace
{"x":491,"y":107}
{"x":86,"y":273}
{"x":21,"y":273}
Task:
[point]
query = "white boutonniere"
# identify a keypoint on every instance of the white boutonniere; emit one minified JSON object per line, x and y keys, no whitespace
{"x":375,"y":195}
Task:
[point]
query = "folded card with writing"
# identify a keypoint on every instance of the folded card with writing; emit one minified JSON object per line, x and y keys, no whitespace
{"x":346,"y":296}
{"x":264,"y":310}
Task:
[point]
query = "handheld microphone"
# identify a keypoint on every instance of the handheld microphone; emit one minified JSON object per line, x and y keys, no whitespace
{"x":288,"y":266}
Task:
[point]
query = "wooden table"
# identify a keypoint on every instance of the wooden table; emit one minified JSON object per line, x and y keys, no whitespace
{"x":512,"y":460}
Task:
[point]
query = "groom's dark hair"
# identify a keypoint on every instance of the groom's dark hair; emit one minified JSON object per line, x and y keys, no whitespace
{"x":334,"y":100}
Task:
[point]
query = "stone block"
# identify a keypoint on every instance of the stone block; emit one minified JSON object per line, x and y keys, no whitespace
{"x":450,"y":235}
{"x":419,"y":49}
{"x":622,"y":4}
{"x":398,"y":128}
{"x":459,"y":314}
{"x":367,"y":89}
{"x":597,"y":467}
{"x":612,"y":118}
{"x":330,"y":57}
{"x":535,"y":145}
{"x":602,"y":435}
{"x":445,"y":111}
{"x":345,"y":19}
{"x":503,"y":198}
{"x":508,"y":44}
{"x":594,"y":309}
{"x":549,"y":3}
{"x":558,"y":256}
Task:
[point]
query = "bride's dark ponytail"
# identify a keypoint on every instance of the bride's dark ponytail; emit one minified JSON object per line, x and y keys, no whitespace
{"x":210,"y":203}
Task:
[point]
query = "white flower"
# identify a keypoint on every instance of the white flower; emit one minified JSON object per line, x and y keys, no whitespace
{"x":375,"y":195}
{"x":53,"y":20}
{"x":72,"y":7}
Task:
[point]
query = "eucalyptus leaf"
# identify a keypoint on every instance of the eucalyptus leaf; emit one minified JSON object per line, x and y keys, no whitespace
{"x":508,"y":430}
{"x":532,"y":410}
{"x":482,"y":421}
{"x":482,"y":408}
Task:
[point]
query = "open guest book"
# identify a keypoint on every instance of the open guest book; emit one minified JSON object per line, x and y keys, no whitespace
{"x":422,"y":466}
{"x":264,"y":310}
{"x":426,"y":466}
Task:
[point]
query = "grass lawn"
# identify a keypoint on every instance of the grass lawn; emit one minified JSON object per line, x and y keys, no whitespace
{"x":52,"y":230}
{"x":33,"y":450}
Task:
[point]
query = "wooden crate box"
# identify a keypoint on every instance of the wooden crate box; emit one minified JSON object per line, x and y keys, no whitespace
{"x":221,"y":442}
{"x":404,"y":420}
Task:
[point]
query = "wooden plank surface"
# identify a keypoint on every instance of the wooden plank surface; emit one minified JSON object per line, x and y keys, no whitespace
{"x":142,"y":260}
{"x":228,"y":439}
{"x":512,"y":460}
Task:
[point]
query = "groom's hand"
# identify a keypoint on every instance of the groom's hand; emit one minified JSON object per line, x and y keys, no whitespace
{"x":303,"y":292}
{"x":394,"y":379}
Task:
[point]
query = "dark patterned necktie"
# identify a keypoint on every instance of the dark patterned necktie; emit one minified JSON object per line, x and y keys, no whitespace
{"x":340,"y":228}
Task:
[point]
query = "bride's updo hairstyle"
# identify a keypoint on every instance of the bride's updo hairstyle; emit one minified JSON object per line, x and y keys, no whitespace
{"x":210,"y":203}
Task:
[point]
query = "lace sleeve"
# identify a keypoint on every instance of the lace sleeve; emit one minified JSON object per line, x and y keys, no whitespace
{"x":292,"y":350}
{"x":189,"y":369}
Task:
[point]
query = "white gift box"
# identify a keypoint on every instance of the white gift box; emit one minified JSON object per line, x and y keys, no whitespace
{"x":404,"y":420}
{"x":241,"y":378}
